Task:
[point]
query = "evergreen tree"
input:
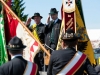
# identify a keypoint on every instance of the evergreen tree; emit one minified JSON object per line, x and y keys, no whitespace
{"x":17,"y":7}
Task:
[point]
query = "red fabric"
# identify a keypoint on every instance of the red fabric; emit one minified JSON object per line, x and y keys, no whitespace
{"x":32,"y":47}
{"x":31,"y":57}
{"x":12,"y":24}
{"x":34,"y":69}
{"x":10,"y":27}
{"x":32,"y":50}
{"x":69,"y":21}
{"x":8,"y":2}
{"x":76,"y":66}
{"x":7,"y":27}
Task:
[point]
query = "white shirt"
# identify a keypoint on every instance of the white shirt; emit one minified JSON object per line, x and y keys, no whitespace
{"x":67,"y":47}
{"x":56,"y":20}
{"x":15,"y":56}
{"x":39,"y":23}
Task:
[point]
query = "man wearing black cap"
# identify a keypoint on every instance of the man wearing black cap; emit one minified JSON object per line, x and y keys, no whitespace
{"x":38,"y":31}
{"x":68,"y":61}
{"x":18,"y":65}
{"x":53,"y":29}
{"x":39,"y":26}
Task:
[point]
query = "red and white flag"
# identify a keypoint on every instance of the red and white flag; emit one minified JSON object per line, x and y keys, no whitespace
{"x":32,"y":45}
{"x":16,"y":29}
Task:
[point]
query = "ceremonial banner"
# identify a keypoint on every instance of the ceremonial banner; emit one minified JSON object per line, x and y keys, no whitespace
{"x":78,"y":25}
{"x":32,"y":46}
{"x":60,"y":40}
{"x":61,"y":30}
{"x":3,"y":51}
{"x":84,"y":43}
{"x":79,"y":6}
{"x":16,"y":29}
{"x":7,"y":26}
{"x":68,"y":18}
{"x":68,"y":6}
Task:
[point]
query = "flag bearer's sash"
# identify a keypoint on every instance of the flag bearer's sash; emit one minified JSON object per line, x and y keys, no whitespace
{"x":31,"y":69}
{"x":74,"y":64}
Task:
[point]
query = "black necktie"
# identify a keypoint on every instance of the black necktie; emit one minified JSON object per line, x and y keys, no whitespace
{"x":52,"y":33}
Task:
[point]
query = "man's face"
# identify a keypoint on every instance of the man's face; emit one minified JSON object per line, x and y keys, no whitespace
{"x":54,"y":16}
{"x":37,"y":19}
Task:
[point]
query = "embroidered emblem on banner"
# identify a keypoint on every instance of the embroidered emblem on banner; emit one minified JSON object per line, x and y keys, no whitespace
{"x":69,"y":6}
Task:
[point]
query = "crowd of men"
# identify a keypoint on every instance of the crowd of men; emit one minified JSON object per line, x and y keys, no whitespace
{"x":66,"y":61}
{"x":47,"y":34}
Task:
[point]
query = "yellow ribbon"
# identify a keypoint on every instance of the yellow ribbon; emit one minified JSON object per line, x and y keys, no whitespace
{"x":35,"y":32}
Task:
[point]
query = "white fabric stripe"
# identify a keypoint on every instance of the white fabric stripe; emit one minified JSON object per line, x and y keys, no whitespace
{"x":71,"y":64}
{"x":29,"y":68}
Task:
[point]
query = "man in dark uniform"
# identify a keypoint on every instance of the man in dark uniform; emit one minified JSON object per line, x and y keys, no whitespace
{"x":39,"y":28}
{"x":18,"y":65}
{"x":68,"y":61}
{"x":53,"y":29}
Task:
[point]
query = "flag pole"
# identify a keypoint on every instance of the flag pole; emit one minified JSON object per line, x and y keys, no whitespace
{"x":25,"y":27}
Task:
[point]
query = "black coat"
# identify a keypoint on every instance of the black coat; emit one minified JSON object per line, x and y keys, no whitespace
{"x":56,"y":26}
{"x":40,"y":31}
{"x":16,"y":66}
{"x":97,"y":68}
{"x":61,"y":57}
